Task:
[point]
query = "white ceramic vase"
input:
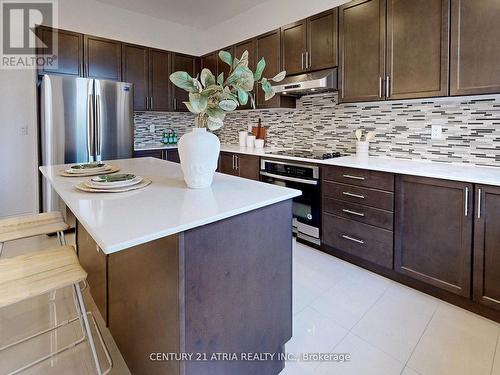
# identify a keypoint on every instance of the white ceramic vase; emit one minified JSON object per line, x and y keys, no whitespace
{"x":199,"y":152}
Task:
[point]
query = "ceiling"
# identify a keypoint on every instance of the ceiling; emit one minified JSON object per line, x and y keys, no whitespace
{"x":195,"y":13}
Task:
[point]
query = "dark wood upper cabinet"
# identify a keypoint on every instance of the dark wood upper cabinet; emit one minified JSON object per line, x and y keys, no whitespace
{"x":322,"y":40}
{"x":310,"y":44}
{"x":102,"y":58}
{"x":209,"y":62}
{"x":487,"y":247}
{"x":417,"y":48}
{"x":187,"y":64}
{"x":159,"y":82}
{"x":247,"y":45}
{"x":475,"y":50}
{"x":136,"y":70}
{"x":362,"y":50}
{"x":69,"y":51}
{"x":433,"y":232}
{"x":267,"y":46}
{"x":294,"y":47}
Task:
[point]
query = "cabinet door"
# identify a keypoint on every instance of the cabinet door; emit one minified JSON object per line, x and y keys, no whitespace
{"x":69,"y":51}
{"x":223,"y":67}
{"x":248,"y":45}
{"x":362,"y":50}
{"x":227,"y":164}
{"x":322,"y":39}
{"x":417,"y":48}
{"x":210,"y":62}
{"x":487,"y":247}
{"x":173,"y":155}
{"x":149,"y":154}
{"x":94,"y":261}
{"x":183,"y":63}
{"x":102,"y":58}
{"x":267,"y":46}
{"x":248,"y":166}
{"x":136,"y":71}
{"x":434,"y":232}
{"x":294,"y":47}
{"x":159,"y":82}
{"x":475,"y":51}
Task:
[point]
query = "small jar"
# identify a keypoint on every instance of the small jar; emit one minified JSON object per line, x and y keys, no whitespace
{"x":250,"y":141}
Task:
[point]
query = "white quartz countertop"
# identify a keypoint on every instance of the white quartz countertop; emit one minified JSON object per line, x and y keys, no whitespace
{"x":154,"y":146}
{"x":447,"y":171}
{"x":117,"y":221}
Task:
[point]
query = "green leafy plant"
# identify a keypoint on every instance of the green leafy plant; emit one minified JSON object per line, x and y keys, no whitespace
{"x":210,"y":97}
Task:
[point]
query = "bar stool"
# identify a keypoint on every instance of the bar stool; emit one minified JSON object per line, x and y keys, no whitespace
{"x":20,"y":227}
{"x":42,"y":272}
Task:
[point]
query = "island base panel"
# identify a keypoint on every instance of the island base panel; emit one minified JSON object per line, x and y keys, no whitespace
{"x":224,"y":287}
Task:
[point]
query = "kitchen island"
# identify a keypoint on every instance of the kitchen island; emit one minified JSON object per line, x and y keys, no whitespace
{"x":203,"y":275}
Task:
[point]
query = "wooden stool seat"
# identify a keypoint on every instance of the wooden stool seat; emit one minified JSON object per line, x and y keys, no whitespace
{"x":31,"y":275}
{"x":31,"y":225}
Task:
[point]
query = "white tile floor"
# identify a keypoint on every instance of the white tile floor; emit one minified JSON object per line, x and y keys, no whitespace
{"x":387,"y":328}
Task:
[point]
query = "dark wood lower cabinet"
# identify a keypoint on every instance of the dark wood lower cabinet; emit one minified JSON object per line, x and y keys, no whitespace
{"x":487,"y":247}
{"x":149,"y":154}
{"x":433,"y":232}
{"x":246,"y":166}
{"x":173,"y":155}
{"x":95,"y":264}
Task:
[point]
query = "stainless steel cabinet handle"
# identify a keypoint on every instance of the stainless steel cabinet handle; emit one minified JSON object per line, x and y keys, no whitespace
{"x":302,"y":60}
{"x":353,"y":177}
{"x":307,"y":60}
{"x":353,"y":212}
{"x":151,"y":103}
{"x":175,"y":104}
{"x":82,"y":72}
{"x":380,"y":87}
{"x":237,"y":162}
{"x":479,"y":192}
{"x":357,"y":240}
{"x":353,"y":195}
{"x":233,"y":163}
{"x":466,"y":201}
{"x":310,"y":59}
{"x":147,"y":102}
{"x":388,"y":86}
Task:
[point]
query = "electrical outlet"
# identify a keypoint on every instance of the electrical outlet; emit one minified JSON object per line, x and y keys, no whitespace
{"x":436,"y":132}
{"x":152,"y":128}
{"x":23,"y":131}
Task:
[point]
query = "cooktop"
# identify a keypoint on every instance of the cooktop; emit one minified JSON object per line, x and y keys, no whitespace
{"x":308,"y":154}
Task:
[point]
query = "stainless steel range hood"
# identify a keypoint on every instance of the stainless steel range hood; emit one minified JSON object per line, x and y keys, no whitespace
{"x":309,"y":83}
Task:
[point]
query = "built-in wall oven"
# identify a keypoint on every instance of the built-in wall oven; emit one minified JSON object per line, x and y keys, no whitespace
{"x":306,"y":208}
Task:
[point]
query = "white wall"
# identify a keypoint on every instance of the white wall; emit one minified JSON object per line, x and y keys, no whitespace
{"x":262,"y":18}
{"x":96,"y":18}
{"x":18,"y":152}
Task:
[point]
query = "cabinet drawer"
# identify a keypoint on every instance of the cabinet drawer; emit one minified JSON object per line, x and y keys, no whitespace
{"x":355,"y":194}
{"x":360,"y":177}
{"x":361,"y":240}
{"x":364,"y":214}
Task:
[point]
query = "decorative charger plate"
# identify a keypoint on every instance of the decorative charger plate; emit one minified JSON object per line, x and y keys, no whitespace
{"x":94,"y":183}
{"x":90,"y":172}
{"x":84,"y":187}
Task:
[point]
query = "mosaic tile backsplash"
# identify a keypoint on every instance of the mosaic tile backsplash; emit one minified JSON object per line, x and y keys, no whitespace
{"x":471,"y":127}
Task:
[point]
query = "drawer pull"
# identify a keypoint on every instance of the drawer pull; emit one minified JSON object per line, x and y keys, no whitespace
{"x":353,"y":195}
{"x":353,"y":177}
{"x":353,"y":239}
{"x":353,"y":212}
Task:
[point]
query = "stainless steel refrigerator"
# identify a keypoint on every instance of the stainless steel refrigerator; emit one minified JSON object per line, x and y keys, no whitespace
{"x":83,"y":120}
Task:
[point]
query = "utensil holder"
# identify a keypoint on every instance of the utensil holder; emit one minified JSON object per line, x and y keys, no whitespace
{"x":362,"y":148}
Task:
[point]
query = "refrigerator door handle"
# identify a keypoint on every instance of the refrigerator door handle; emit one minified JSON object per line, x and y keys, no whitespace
{"x":98,"y":119}
{"x":90,"y":123}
